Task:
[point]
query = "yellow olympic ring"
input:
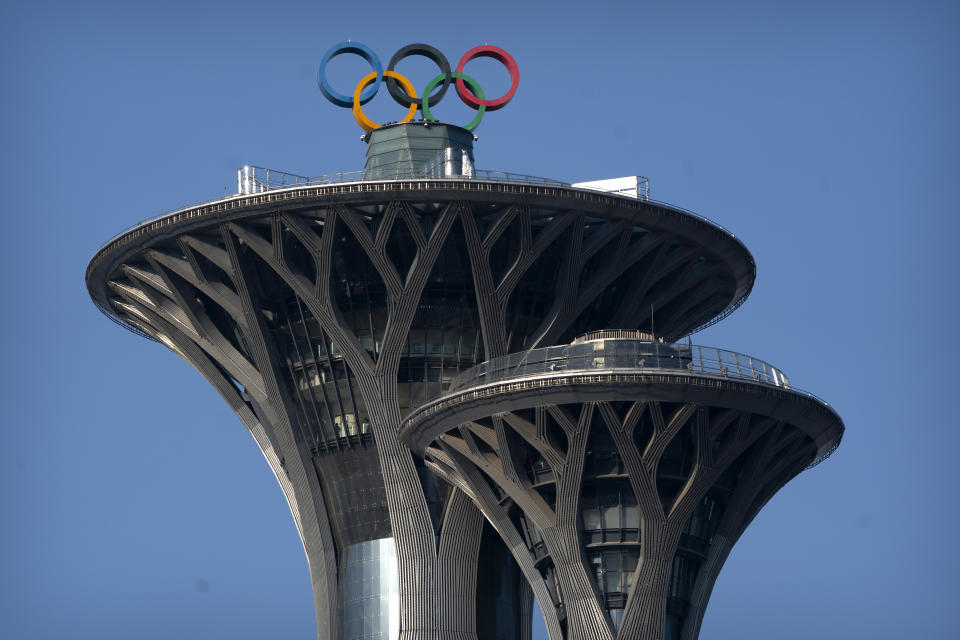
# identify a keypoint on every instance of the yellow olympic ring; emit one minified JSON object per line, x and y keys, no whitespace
{"x":366,"y":123}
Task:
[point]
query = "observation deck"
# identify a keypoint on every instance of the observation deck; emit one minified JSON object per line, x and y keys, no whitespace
{"x":606,"y":360}
{"x":260,"y":190}
{"x":588,"y":456}
{"x":613,"y":350}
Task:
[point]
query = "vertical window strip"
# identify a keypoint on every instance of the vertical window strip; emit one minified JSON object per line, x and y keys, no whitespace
{"x":310,"y":340}
{"x":306,"y":380}
{"x":301,"y":407}
{"x":338,"y":410}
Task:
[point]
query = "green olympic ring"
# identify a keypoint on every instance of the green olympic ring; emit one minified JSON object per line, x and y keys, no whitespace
{"x":474,"y":86}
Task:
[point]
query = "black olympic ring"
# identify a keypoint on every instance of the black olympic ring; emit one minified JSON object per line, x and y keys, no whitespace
{"x":431,"y":53}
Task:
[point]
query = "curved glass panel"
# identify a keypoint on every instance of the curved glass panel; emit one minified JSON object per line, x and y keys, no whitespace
{"x":613,"y":571}
{"x":371,"y":591}
{"x":610,"y":513}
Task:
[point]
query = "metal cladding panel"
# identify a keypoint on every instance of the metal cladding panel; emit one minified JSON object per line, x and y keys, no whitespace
{"x":355,"y":498}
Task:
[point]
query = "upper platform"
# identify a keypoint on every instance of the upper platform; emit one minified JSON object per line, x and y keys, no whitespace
{"x":623,"y":365}
{"x":591,"y":259}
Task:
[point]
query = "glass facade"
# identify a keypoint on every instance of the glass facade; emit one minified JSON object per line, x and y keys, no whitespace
{"x":613,"y":571}
{"x":371,"y":591}
{"x":610,"y":518}
{"x":329,"y":404}
{"x":610,"y":513}
{"x":692,"y":550}
{"x":698,"y":533}
{"x":683,"y":576}
{"x":500,"y":590}
{"x":444,"y":340}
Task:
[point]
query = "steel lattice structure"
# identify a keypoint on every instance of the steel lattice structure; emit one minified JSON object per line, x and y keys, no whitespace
{"x":328,"y":315}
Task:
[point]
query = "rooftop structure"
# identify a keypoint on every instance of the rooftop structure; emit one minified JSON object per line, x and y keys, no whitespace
{"x":443,"y":368}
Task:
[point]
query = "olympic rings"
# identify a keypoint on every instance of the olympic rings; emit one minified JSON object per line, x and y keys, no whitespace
{"x":426,"y":51}
{"x":474,"y":86}
{"x":365,"y":123}
{"x":498,"y":54}
{"x":401,"y":89}
{"x":348,"y":47}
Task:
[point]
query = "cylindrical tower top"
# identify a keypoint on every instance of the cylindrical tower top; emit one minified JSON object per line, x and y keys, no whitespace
{"x":419,"y":149}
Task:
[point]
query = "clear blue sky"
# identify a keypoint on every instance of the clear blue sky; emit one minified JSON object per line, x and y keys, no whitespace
{"x":824,"y":134}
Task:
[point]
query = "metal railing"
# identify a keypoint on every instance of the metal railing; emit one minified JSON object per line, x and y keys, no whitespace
{"x":622,"y":354}
{"x":252,"y":179}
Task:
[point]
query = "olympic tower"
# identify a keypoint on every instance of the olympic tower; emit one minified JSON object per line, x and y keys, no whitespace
{"x":453,"y":375}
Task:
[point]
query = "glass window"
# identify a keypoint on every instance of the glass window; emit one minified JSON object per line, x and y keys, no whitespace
{"x":434,"y":342}
{"x":612,"y":582}
{"x":705,"y":519}
{"x":627,"y":567}
{"x":611,"y":566}
{"x":591,"y":519}
{"x":616,"y":617}
{"x":683,"y":576}
{"x":611,"y":517}
{"x":597,"y":563}
{"x":609,"y":512}
{"x":371,"y":591}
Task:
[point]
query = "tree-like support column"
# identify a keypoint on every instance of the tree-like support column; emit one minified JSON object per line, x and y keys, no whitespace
{"x":325,"y":314}
{"x":627,"y":467}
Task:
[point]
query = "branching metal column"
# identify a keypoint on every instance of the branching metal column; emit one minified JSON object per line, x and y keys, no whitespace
{"x":323,"y":315}
{"x":620,"y":473}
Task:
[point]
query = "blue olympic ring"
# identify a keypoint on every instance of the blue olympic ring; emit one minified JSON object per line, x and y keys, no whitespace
{"x":361,"y":50}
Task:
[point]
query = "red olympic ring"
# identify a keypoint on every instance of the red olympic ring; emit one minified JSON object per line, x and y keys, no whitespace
{"x":501,"y":56}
